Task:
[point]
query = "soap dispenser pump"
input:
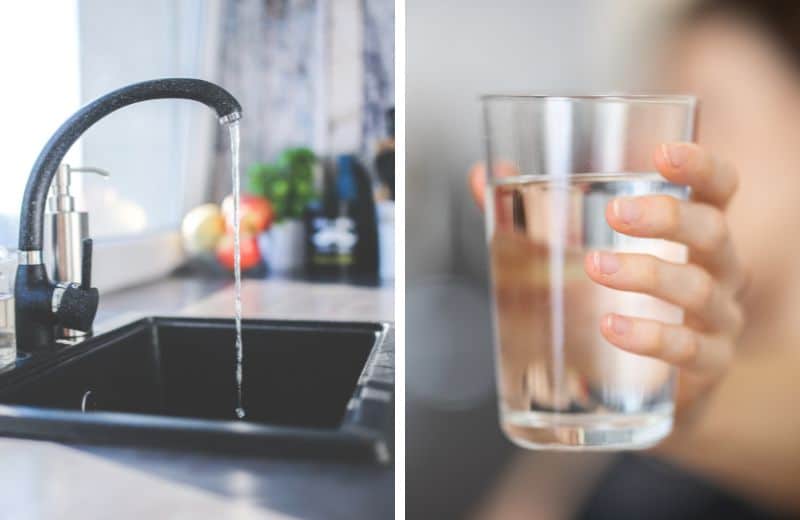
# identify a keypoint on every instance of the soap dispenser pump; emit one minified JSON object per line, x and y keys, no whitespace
{"x":66,"y":229}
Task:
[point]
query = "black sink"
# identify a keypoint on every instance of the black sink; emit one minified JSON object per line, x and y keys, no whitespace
{"x":309,"y":388}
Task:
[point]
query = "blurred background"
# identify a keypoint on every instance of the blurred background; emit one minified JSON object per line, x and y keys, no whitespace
{"x":316,"y":79}
{"x":458,"y":463}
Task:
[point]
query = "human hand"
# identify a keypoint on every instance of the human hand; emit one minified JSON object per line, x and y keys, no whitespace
{"x":706,"y":288}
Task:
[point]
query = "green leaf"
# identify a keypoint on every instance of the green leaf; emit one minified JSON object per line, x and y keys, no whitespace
{"x":303,"y":189}
{"x":280,"y":189}
{"x":287,"y":182}
{"x":256,"y":181}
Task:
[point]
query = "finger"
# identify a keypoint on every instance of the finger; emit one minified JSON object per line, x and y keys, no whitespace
{"x":675,"y":344}
{"x":685,"y":285}
{"x":477,"y":183}
{"x":711,"y":180}
{"x":700,"y":226}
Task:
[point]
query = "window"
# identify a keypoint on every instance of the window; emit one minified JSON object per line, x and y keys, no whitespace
{"x":158,"y":152}
{"x":41,"y":81}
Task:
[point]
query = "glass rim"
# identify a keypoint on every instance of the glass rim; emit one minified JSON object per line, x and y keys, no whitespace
{"x":679,"y":99}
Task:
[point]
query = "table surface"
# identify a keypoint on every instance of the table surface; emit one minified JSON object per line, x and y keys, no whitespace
{"x":46,"y":480}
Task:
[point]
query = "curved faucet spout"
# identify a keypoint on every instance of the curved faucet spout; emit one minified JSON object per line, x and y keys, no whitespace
{"x":31,"y":223}
{"x":41,"y":305}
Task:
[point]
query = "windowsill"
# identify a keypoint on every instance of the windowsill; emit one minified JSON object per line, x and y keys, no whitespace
{"x":132,"y":261}
{"x":264,"y":298}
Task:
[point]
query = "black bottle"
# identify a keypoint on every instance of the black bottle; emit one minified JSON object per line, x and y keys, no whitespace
{"x":384,"y":158}
{"x":342,"y":238}
{"x":366,"y":220}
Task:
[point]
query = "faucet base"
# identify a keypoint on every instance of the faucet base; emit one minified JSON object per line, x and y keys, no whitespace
{"x":34,"y":319}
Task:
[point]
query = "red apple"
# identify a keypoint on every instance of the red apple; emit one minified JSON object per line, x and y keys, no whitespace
{"x":248,"y":246}
{"x":256,"y":213}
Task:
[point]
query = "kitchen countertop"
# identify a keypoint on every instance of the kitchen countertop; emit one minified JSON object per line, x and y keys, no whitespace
{"x":44,"y":480}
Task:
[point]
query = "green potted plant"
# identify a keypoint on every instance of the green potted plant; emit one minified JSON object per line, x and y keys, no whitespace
{"x":288,"y":183}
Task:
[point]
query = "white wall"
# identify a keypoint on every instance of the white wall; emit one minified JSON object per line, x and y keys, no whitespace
{"x":457,"y":50}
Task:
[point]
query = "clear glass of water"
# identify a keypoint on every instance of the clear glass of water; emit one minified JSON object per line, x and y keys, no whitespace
{"x":555,"y":163}
{"x":8,"y":341}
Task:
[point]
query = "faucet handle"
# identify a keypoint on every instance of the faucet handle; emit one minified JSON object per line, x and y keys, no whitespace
{"x":86,"y":263}
{"x":74,"y":306}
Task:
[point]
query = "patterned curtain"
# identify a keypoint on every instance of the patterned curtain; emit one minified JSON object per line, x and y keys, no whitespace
{"x":275,"y":57}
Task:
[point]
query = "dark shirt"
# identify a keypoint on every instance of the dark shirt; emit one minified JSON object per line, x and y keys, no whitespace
{"x":644,"y":487}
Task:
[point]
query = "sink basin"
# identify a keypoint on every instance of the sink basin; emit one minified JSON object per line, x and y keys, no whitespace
{"x":310,"y":388}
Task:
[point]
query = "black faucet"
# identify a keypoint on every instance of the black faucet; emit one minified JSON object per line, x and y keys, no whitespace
{"x":41,"y":305}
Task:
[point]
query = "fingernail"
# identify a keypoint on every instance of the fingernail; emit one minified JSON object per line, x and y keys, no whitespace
{"x":676,"y":154}
{"x":619,"y":325}
{"x":606,"y":263}
{"x":626,"y":209}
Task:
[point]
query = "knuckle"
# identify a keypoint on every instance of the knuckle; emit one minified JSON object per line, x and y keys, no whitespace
{"x":662,"y":340}
{"x":671,"y":215}
{"x":709,"y":168}
{"x":702,"y":289}
{"x":723,"y":175}
{"x":689,"y":348}
{"x":650,"y":274}
{"x":716,"y":232}
{"x":730,"y":176}
{"x":713,"y":164}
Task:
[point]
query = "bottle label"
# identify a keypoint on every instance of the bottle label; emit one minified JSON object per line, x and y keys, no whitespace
{"x":334,"y":240}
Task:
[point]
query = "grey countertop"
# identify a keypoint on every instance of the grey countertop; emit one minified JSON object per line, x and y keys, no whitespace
{"x":45,"y":480}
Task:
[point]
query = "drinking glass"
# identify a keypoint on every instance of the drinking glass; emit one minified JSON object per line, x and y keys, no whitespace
{"x":8,"y":342}
{"x":554,"y":164}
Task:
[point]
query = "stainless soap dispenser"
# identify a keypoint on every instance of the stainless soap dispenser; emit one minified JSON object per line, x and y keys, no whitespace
{"x":65,"y":230}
